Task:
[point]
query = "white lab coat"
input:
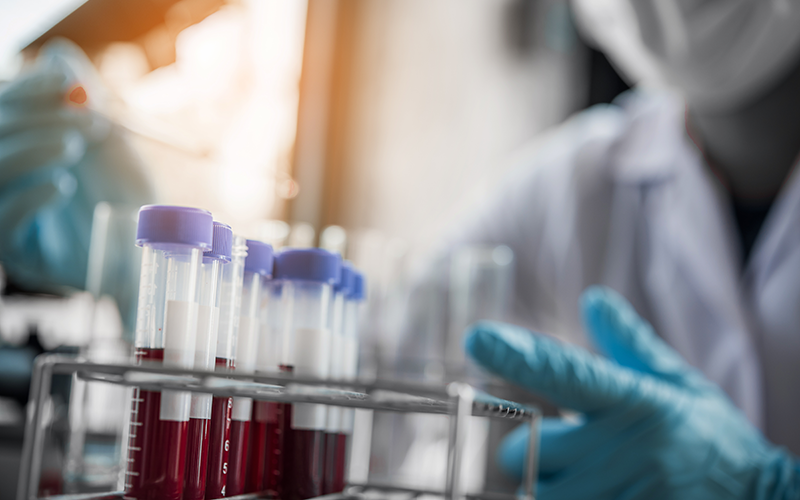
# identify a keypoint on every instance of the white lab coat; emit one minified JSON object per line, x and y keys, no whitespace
{"x":619,"y":195}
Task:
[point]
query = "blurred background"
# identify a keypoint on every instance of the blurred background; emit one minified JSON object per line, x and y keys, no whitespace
{"x":359,"y":126}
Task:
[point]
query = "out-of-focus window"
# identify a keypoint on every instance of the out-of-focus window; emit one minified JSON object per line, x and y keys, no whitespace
{"x":216,"y":128}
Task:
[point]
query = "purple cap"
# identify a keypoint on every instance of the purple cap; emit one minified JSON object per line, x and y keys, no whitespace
{"x":221,"y":243}
{"x":346,"y":282}
{"x":260,"y":258}
{"x":308,"y":264}
{"x":165,"y":225}
{"x":358,"y":288}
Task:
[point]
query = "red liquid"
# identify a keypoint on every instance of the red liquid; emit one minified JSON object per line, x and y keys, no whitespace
{"x":238,"y":457}
{"x":156,"y":458}
{"x":219,"y":441}
{"x":335,"y":462}
{"x":275,"y":447}
{"x":257,"y":458}
{"x":196,"y":459}
{"x":302,"y":473}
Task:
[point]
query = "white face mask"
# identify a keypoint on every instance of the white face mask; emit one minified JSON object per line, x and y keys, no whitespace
{"x":717,"y":53}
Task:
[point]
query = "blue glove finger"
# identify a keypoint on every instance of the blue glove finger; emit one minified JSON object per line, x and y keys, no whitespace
{"x":568,"y":376}
{"x":37,"y":90}
{"x":559,"y":445}
{"x":623,"y":336}
{"x":33,"y":153}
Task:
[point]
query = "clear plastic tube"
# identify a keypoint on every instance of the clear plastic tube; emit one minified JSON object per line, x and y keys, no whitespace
{"x":173,"y":240}
{"x":334,"y":413}
{"x":350,"y":350}
{"x":221,"y":407}
{"x":265,"y":464}
{"x":308,"y":276}
{"x":258,"y":269}
{"x":211,"y":271}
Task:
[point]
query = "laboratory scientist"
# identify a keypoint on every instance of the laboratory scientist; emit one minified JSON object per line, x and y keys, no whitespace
{"x":683,"y":200}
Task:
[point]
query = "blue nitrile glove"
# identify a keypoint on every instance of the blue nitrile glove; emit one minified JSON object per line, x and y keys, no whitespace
{"x":652,"y":427}
{"x":59,"y":157}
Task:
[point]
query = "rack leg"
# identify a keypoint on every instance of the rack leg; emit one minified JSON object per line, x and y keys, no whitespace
{"x":532,"y":466}
{"x":462,"y":396}
{"x":31,"y":463}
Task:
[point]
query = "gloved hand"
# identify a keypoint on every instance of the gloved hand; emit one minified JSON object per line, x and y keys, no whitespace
{"x":652,"y":426}
{"x":59,"y":157}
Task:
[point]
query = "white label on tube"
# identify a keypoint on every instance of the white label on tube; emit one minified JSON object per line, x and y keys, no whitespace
{"x":337,"y":356}
{"x":242,"y":409}
{"x":205,"y":347}
{"x":349,"y":358}
{"x":312,"y":358}
{"x":308,"y":416}
{"x":180,"y":326}
{"x":312,"y":352}
{"x":348,"y":420}
{"x":334,"y":419}
{"x":269,"y":354}
{"x":247,"y":343}
{"x":175,"y":406}
{"x":201,"y":406}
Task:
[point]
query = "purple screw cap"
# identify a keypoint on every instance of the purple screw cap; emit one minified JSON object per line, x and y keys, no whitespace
{"x":308,"y":264}
{"x":346,"y":282}
{"x":222,"y":243}
{"x":165,"y":226}
{"x":260,"y":258}
{"x":358,"y":288}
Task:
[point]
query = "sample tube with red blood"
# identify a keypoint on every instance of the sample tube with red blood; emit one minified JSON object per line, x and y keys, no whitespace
{"x":333,"y":473}
{"x":173,"y":240}
{"x":214,"y":261}
{"x":257,"y":273}
{"x":350,"y":349}
{"x":219,"y":432}
{"x":307,"y":276}
{"x":265,"y":464}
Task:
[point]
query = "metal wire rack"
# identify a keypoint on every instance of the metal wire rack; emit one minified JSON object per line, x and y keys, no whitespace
{"x":458,"y":400}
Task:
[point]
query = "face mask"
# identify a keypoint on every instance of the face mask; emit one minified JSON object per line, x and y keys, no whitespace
{"x":717,"y":53}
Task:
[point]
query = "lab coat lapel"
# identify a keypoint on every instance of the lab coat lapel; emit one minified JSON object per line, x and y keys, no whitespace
{"x":692,"y":277}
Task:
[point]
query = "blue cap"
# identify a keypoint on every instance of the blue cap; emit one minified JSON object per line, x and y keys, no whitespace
{"x":165,"y":225}
{"x":221,"y":243}
{"x":358,"y":288}
{"x":260,"y":258}
{"x":346,"y":282}
{"x":308,"y":264}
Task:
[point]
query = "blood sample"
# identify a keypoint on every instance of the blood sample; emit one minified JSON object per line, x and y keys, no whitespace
{"x":257,"y":271}
{"x":334,"y":413}
{"x":266,"y":433}
{"x":350,"y":323}
{"x":220,"y":427}
{"x":307,"y":276}
{"x":173,"y":240}
{"x":214,"y":261}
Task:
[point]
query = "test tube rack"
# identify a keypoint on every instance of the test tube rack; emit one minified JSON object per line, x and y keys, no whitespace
{"x":458,"y":400}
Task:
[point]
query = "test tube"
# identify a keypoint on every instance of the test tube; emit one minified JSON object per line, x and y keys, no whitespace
{"x":308,"y":276}
{"x":173,"y":240}
{"x":214,"y":261}
{"x":354,"y":297}
{"x":257,"y":272}
{"x":333,"y":426}
{"x":265,"y":463}
{"x":230,"y":304}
